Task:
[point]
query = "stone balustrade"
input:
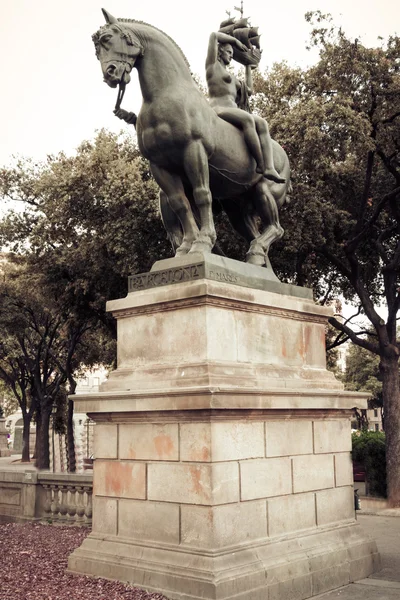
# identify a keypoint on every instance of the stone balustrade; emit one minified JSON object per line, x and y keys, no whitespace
{"x":62,"y":498}
{"x":68,"y":498}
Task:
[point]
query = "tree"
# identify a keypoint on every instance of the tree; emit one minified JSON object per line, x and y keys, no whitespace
{"x":39,"y":352}
{"x":86,"y":223}
{"x":339,"y":121}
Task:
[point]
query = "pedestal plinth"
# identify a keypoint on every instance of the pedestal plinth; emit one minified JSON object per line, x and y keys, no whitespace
{"x":222,"y":449}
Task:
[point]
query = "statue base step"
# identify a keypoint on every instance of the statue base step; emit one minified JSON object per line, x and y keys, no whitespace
{"x":297,"y":567}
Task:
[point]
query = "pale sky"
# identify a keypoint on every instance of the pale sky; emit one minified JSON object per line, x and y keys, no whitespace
{"x":53,"y":96}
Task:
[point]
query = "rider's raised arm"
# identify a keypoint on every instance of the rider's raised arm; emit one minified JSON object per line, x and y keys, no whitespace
{"x":220,"y":38}
{"x":212,"y":53}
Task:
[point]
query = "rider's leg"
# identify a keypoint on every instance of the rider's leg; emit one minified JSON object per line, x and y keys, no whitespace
{"x":245,"y":122}
{"x":267,"y":209}
{"x":266,"y":144}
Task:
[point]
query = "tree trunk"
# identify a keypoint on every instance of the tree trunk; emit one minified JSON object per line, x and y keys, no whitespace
{"x":70,"y":438}
{"x":391,"y":403}
{"x":42,"y":442}
{"x":26,"y":438}
{"x":38,"y":418}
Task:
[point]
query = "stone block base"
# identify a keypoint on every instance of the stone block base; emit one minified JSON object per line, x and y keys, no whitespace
{"x":222,"y":448}
{"x":292,"y":568}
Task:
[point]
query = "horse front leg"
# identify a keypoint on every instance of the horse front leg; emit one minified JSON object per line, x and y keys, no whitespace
{"x":195,"y":163}
{"x":267,"y":209}
{"x":171,"y":184}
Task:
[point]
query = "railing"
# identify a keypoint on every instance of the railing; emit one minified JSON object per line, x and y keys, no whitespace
{"x":59,"y":498}
{"x":67,"y":498}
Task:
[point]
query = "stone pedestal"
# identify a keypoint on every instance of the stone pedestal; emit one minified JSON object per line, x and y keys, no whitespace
{"x":222,"y":449}
{"x":4,"y":451}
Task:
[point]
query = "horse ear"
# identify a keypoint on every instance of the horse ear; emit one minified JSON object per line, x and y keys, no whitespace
{"x":108,"y":17}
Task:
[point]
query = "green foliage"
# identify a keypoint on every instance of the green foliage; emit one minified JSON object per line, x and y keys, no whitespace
{"x":369,"y":450}
{"x":87,"y":221}
{"x":362,"y":373}
{"x":1,"y":412}
{"x":339,"y":122}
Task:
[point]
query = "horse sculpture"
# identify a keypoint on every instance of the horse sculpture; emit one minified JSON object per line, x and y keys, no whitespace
{"x":195,"y":157}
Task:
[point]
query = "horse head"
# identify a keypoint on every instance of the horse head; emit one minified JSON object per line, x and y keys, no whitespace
{"x":117,"y":49}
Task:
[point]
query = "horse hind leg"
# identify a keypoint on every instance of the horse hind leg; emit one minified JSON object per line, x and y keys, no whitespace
{"x":195,"y":162}
{"x":267,"y":209}
{"x":170,"y":221}
{"x":174,"y":193}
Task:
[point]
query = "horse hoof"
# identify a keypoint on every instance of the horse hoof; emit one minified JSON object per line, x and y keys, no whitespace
{"x":182,"y":250}
{"x":203,"y":247}
{"x":256,"y":259}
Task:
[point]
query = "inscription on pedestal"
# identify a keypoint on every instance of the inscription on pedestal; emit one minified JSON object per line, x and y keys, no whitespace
{"x":225,"y":277}
{"x":178,"y":274}
{"x":167,"y":277}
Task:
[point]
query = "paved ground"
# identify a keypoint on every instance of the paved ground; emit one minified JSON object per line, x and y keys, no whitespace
{"x":384,"y":585}
{"x":13,"y":463}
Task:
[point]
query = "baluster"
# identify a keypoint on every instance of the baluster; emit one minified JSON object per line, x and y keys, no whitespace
{"x":88,"y":509}
{"x":72,"y":502}
{"x":80,"y":509}
{"x":48,"y":500}
{"x":64,"y":502}
{"x":55,"y":505}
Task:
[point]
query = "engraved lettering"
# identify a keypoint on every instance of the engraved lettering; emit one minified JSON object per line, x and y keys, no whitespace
{"x":167,"y":277}
{"x":225,"y":277}
{"x":178,"y":274}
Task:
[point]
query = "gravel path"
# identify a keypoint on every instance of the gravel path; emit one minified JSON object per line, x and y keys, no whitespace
{"x":33,"y":562}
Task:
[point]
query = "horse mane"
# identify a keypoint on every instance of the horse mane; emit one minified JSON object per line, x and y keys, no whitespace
{"x":161,"y":31}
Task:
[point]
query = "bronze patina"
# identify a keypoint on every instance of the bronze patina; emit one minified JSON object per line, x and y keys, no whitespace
{"x":198,"y":152}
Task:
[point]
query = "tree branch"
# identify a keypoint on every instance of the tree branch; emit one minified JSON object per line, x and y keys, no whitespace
{"x":354,"y":336}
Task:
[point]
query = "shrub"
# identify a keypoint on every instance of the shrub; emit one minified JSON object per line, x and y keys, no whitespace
{"x":369,"y":450}
{"x":1,"y":412}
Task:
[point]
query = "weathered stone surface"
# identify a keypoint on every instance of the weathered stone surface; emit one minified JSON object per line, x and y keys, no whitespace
{"x":219,"y":526}
{"x":195,"y":442}
{"x":194,"y":483}
{"x":332,"y":436}
{"x":343,"y":469}
{"x":217,"y":268}
{"x":221,"y":441}
{"x":291,"y":437}
{"x":105,"y":512}
{"x":119,"y":479}
{"x":214,"y":516}
{"x":335,"y":505}
{"x":146,"y":441}
{"x":262,"y":478}
{"x":106,"y":440}
{"x":313,"y":473}
{"x":292,"y":513}
{"x":156,"y":521}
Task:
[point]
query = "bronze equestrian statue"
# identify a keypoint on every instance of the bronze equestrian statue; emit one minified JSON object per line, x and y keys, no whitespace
{"x":196,"y":156}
